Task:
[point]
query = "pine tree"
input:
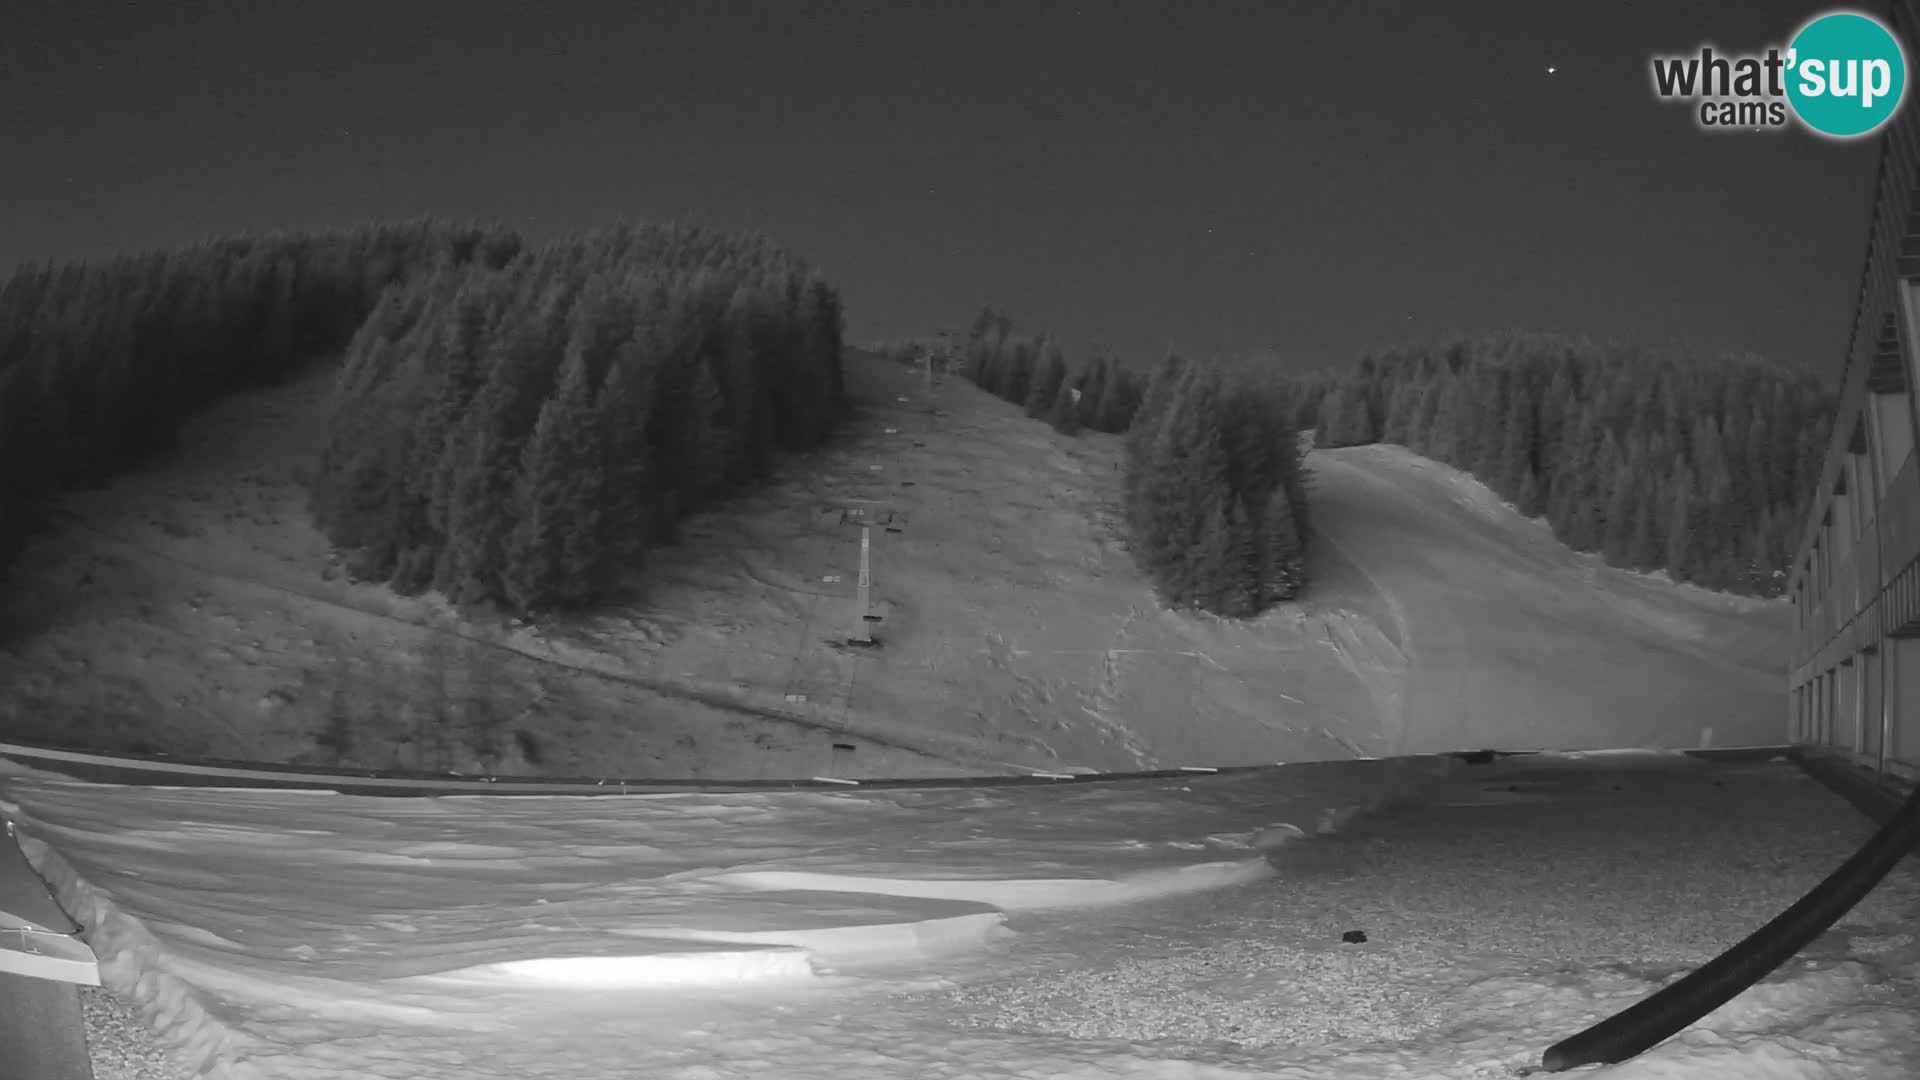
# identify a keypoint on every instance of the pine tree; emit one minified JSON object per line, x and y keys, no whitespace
{"x":1120,"y":400}
{"x":1020,"y":371}
{"x":1526,"y":495}
{"x":1518,"y":445}
{"x":1718,"y":533}
{"x":1154,"y":405}
{"x":1049,"y":376}
{"x":1092,"y":389}
{"x":1357,"y":427}
{"x":1174,"y":466}
{"x":746,"y":411}
{"x":1336,"y":413}
{"x":1486,"y":437}
{"x":703,"y":449}
{"x":1208,"y":559}
{"x":480,"y":508}
{"x":979,"y":333}
{"x":1426,"y":405}
{"x":1680,"y":516}
{"x":1281,"y":572}
{"x":1617,"y":541}
{"x":1064,"y":415}
{"x":1450,"y":433}
{"x":553,"y":556}
{"x":630,"y":497}
{"x":1237,"y":595}
{"x":1645,"y":550}
{"x":1400,"y":407}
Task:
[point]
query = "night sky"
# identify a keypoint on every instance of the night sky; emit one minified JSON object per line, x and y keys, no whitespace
{"x":1305,"y":180}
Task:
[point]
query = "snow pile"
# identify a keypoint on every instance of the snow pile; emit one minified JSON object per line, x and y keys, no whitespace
{"x":980,"y":932}
{"x":246,"y":922}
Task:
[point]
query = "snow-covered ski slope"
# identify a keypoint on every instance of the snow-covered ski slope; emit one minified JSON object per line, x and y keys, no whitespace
{"x":1165,"y":928}
{"x":1493,"y":633}
{"x":191,"y":608}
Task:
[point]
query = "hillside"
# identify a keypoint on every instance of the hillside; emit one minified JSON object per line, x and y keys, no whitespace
{"x":192,"y":608}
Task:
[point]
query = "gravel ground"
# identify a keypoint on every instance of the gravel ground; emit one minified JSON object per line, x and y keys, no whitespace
{"x":123,"y":1046}
{"x":1637,"y":875}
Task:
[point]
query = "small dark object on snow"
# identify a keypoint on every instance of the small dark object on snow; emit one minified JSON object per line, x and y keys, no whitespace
{"x":1354,"y":937}
{"x":844,"y":746}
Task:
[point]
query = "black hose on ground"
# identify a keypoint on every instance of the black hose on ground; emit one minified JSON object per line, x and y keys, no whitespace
{"x":1653,"y":1020}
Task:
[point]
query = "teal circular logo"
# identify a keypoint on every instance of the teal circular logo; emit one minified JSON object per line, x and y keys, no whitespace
{"x":1846,"y":74}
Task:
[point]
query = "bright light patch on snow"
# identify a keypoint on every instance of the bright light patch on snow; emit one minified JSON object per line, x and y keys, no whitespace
{"x":651,"y":972}
{"x":1021,"y":895}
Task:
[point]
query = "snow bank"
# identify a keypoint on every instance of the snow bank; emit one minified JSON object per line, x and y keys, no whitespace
{"x":258,"y":928}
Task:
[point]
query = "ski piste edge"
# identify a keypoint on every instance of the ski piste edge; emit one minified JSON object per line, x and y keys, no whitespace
{"x":162,"y":771}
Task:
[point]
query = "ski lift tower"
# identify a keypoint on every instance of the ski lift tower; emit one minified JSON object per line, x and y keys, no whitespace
{"x":863,"y":592}
{"x":937,"y":359}
{"x":865,"y":514}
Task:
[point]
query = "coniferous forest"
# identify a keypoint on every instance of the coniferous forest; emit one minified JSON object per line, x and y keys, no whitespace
{"x":1032,"y":372}
{"x":513,"y":425}
{"x":1214,"y":489}
{"x":1215,"y":492}
{"x":100,"y":363}
{"x":516,"y":425}
{"x":1657,"y":461}
{"x":519,"y":435}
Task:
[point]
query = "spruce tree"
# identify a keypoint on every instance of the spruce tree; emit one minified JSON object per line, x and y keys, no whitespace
{"x":1335,"y":415}
{"x":1452,"y":429}
{"x":1093,"y":388}
{"x":1019,"y":373}
{"x":1622,"y":519}
{"x":1118,"y":404}
{"x":480,"y":508}
{"x":1515,"y":463}
{"x":1526,"y":495}
{"x":1644,"y":553}
{"x":1238,"y":593}
{"x":704,"y":451}
{"x":1680,"y":518}
{"x":1064,"y":415}
{"x":1399,"y":421}
{"x":553,"y":557}
{"x":1281,"y":556}
{"x":1420,"y":428}
{"x":1154,"y":405}
{"x":1485,"y":437}
{"x":630,"y":499}
{"x":1049,"y":375}
{"x":1208,"y":570}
